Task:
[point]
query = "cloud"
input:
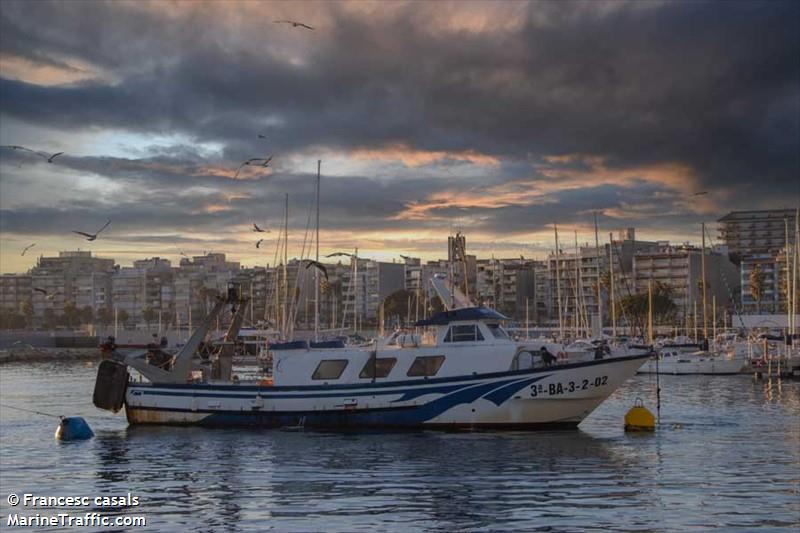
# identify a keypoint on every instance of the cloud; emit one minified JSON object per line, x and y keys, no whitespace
{"x":501,"y":116}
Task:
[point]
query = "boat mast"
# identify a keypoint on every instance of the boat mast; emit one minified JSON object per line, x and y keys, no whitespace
{"x":558,"y":289}
{"x":316,"y":270}
{"x":578,"y":287}
{"x":597,"y":271}
{"x":355,"y":291}
{"x":650,"y":311}
{"x":284,"y":309}
{"x":611,"y":284}
{"x":794,"y":273}
{"x":714,"y":317}
{"x":703,"y":275}
{"x":788,"y":278}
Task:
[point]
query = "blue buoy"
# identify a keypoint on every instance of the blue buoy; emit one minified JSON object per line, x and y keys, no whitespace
{"x":73,"y":428}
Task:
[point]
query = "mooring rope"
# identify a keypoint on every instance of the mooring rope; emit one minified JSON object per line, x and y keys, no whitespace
{"x":30,"y":410}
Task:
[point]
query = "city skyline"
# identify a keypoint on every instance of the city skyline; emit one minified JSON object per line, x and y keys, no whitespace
{"x":495,"y":118}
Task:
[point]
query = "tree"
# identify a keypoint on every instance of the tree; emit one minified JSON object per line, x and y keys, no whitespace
{"x":149,"y":315}
{"x":26,"y":309}
{"x":49,"y":319}
{"x":105,"y":316}
{"x":11,"y":319}
{"x":636,"y":307}
{"x":397,"y":304}
{"x":72,"y":316}
{"x":122,"y":317}
{"x":758,"y":280}
{"x":87,"y":314}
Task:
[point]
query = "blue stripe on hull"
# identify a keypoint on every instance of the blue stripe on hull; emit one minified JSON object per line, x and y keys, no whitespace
{"x":401,"y":416}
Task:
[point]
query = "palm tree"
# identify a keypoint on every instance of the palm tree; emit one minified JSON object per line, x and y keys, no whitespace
{"x":758,"y":280}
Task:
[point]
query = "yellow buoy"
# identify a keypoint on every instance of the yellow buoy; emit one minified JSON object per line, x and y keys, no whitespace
{"x":638,"y":418}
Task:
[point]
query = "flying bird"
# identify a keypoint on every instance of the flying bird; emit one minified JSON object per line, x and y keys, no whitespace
{"x":316,"y":264}
{"x":339,"y":254}
{"x":260,"y":136}
{"x":45,"y":293}
{"x":699,"y":193}
{"x":266,"y":161}
{"x":258,"y":244}
{"x":404,"y":257}
{"x":251,"y":161}
{"x":45,"y":155}
{"x":28,"y":248}
{"x":259,"y":230}
{"x":92,"y":236}
{"x":294,"y":24}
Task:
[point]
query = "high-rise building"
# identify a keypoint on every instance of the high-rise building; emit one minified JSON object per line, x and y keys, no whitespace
{"x":680,"y":269}
{"x":754,"y":233}
{"x":15,"y":292}
{"x":64,"y":278}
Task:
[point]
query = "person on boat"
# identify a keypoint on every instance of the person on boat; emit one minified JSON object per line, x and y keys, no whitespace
{"x":547,"y":357}
{"x":598,"y":351}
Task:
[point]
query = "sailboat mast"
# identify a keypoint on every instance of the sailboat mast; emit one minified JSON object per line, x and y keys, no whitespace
{"x":558,"y":288}
{"x":284,"y":310}
{"x":355,"y":291}
{"x":650,"y":311}
{"x":579,"y":323}
{"x":703,"y":275}
{"x":794,"y":273}
{"x":788,"y":278}
{"x":316,"y":270}
{"x":597,"y":271}
{"x":611,"y":284}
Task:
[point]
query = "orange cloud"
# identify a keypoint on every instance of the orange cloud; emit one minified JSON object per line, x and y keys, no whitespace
{"x":415,"y":158}
{"x":71,"y":71}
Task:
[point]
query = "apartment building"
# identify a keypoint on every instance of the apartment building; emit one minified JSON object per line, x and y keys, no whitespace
{"x":680,"y":269}
{"x":755,"y":233}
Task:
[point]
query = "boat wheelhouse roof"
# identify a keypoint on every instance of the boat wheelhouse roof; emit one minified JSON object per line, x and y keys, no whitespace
{"x":467,"y":313}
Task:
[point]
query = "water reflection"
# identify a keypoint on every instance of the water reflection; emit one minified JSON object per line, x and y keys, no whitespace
{"x":726,"y":456}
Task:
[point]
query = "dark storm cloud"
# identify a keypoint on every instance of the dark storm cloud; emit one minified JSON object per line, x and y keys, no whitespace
{"x":709,"y":85}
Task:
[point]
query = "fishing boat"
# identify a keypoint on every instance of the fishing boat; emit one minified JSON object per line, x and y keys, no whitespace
{"x":461,"y":371}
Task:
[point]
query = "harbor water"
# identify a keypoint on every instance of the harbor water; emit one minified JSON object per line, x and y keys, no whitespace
{"x":726,"y":456}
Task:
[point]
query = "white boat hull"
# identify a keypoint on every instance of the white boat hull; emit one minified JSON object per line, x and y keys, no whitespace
{"x":562,"y":395}
{"x":691,"y":364}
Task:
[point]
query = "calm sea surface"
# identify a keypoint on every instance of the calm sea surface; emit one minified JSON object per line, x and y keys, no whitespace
{"x":727,"y":456}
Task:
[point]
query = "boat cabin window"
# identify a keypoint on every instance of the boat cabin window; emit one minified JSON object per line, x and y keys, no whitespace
{"x":465,"y":333}
{"x":377,"y":368}
{"x":497,"y":331}
{"x":425,"y":365}
{"x":329,"y":369}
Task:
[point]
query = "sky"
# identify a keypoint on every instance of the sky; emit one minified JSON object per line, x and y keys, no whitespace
{"x":497,"y":119}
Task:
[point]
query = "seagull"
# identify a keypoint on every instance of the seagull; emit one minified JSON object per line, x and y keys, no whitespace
{"x":699,"y":193}
{"x":250,"y":162}
{"x":404,"y":257}
{"x":259,"y":230}
{"x":260,"y":136}
{"x":90,"y":236}
{"x":266,"y":162}
{"x":258,"y":244}
{"x":28,"y":248}
{"x":316,"y":264}
{"x":47,"y":156}
{"x":294,"y":24}
{"x":46,"y":294}
{"x":339,"y":254}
